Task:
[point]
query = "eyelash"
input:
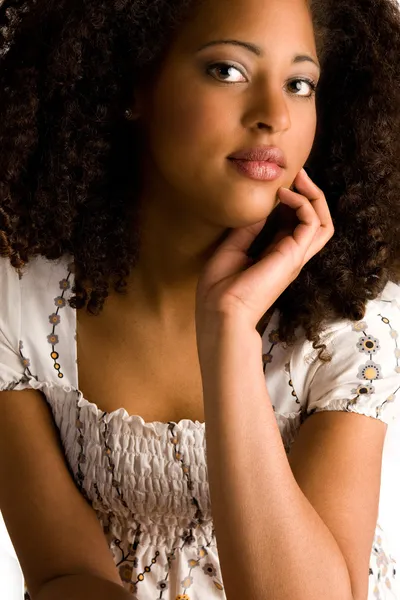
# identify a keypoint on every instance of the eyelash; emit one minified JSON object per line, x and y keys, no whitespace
{"x":310,"y":82}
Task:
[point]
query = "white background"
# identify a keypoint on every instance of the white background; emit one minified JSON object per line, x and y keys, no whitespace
{"x":11,"y":579}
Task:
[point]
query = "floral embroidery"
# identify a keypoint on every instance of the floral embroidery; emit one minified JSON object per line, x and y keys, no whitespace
{"x":273,"y":338}
{"x":52,"y":339}
{"x":370,"y":371}
{"x":290,"y":382}
{"x":111,"y":466}
{"x":59,"y":302}
{"x":127,"y":563}
{"x":26,"y":363}
{"x":394,"y":334}
{"x":54,"y":320}
{"x":369,"y":345}
{"x":162,"y":585}
{"x":81,"y":457}
{"x":125,"y":572}
{"x":209,"y":570}
{"x":384,"y":566}
{"x":360,"y":326}
{"x":364,"y":389}
{"x":65,"y":284}
{"x":390,"y":398}
{"x":294,"y":392}
{"x":267,"y":358}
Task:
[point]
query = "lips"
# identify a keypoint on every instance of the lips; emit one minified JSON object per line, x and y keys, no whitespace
{"x":271,"y":154}
{"x":263,"y":163}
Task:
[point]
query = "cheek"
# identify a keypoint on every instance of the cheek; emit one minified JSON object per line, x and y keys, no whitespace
{"x":188,"y":123}
{"x":302,"y":139}
{"x":307,"y":133}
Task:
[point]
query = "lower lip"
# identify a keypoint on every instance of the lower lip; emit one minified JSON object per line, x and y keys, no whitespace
{"x":260,"y":170}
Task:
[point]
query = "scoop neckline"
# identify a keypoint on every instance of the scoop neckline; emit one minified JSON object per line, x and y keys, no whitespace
{"x":82,"y":401}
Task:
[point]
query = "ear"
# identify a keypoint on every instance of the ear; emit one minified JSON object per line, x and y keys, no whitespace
{"x":132,"y":113}
{"x":135,"y":109}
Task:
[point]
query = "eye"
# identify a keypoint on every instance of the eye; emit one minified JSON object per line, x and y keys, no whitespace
{"x":225,"y":71}
{"x":298,"y":85}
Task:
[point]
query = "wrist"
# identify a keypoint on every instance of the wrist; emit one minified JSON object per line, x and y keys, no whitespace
{"x":218,"y":334}
{"x":82,"y":587}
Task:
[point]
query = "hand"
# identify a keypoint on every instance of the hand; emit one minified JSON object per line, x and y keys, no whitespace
{"x":230,"y":285}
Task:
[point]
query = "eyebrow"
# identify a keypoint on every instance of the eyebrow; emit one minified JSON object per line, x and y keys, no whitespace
{"x":258,"y":51}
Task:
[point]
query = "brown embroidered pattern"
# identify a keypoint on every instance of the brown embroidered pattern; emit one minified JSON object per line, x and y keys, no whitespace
{"x":54,"y":320}
{"x":26,"y":363}
{"x":128,"y":561}
{"x":386,"y":565}
{"x":267,"y":357}
{"x":371,"y":371}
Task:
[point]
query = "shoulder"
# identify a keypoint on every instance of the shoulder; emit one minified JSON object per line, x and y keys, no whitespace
{"x":10,"y":300}
{"x":363,"y":374}
{"x":377,"y":331}
{"x":37,"y":278}
{"x":37,"y":273}
{"x":30,"y":304}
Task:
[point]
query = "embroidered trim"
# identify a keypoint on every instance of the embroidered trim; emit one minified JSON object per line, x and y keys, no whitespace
{"x":54,"y":320}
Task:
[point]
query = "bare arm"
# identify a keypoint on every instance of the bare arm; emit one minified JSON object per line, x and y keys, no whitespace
{"x":57,"y":537}
{"x":302,"y":529}
{"x":82,"y":587}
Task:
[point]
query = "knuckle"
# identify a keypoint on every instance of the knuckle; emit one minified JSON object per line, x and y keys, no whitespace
{"x":317,"y":222}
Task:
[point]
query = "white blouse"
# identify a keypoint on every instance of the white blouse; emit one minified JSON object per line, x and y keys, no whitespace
{"x":147,"y":482}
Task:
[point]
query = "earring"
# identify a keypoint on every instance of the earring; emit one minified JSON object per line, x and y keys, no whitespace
{"x":128,"y":114}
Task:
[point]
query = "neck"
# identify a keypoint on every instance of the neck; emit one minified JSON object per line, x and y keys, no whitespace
{"x":174,"y":247}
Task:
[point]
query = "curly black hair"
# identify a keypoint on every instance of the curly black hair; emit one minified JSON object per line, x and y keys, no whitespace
{"x":67,"y":73}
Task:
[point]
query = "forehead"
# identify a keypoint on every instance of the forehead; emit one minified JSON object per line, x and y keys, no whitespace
{"x":271,"y":24}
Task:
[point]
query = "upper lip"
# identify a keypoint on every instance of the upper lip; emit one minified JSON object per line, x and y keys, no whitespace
{"x":261,"y":154}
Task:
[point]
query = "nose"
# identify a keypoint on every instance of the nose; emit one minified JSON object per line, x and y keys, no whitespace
{"x":267,"y":109}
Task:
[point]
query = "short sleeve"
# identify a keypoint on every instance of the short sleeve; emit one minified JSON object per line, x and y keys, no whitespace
{"x":363,"y":375}
{"x":11,"y":365}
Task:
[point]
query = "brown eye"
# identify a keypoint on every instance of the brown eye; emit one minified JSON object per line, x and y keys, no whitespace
{"x":224,"y":71}
{"x":298,"y":85}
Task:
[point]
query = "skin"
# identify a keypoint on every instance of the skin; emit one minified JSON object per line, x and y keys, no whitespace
{"x":193,"y":120}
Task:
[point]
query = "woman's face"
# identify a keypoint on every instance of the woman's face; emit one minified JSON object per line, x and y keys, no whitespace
{"x":208,"y":103}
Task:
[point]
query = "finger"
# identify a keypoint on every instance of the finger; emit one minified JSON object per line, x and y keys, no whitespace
{"x":306,"y":186}
{"x":309,"y":222}
{"x":230,"y":256}
{"x":315,"y":195}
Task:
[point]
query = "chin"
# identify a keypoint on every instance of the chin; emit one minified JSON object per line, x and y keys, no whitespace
{"x":240,"y":208}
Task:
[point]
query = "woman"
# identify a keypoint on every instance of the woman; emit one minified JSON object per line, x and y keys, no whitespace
{"x":194,"y":331}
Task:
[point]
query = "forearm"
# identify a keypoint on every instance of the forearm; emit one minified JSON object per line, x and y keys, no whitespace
{"x":271,"y":541}
{"x":82,"y":587}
